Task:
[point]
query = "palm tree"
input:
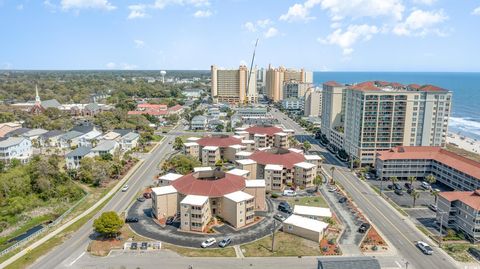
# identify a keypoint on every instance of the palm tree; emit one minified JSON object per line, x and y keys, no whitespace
{"x":411,"y":179}
{"x":394,"y":180}
{"x":318,"y":180}
{"x":435,"y":194}
{"x":332,"y":169}
{"x":431,"y":179}
{"x":415,"y":194}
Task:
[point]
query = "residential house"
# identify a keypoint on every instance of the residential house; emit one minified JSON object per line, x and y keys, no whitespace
{"x":74,"y":157}
{"x":129,"y":141}
{"x":19,"y":148}
{"x":198,"y":122}
{"x":105,"y":147}
{"x":50,"y":139}
{"x":70,"y":139}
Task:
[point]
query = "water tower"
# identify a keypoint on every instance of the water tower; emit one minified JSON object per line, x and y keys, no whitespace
{"x":163,"y":73}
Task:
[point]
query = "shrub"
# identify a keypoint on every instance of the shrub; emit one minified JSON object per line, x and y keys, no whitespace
{"x":274,"y":195}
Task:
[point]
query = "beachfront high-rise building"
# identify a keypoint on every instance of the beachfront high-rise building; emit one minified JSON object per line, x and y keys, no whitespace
{"x":230,"y":85}
{"x":313,"y":102}
{"x":277,"y":77}
{"x":375,"y":115}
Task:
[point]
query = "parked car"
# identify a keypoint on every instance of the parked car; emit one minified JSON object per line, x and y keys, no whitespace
{"x":209,"y":242}
{"x":398,"y":192}
{"x":409,"y":191}
{"x":425,"y":185}
{"x":144,"y":245}
{"x":170,"y":220}
{"x":408,"y":185}
{"x":289,"y":193}
{"x":141,"y":199}
{"x":131,"y":219}
{"x":433,"y":207}
{"x":147,"y":195}
{"x":225,"y":242}
{"x":342,"y":200}
{"x":285,"y":208}
{"x":397,"y":186}
{"x":390,"y":187}
{"x":332,"y":189}
{"x":424,"y":247}
{"x":279,"y":217}
{"x":125,"y":188}
{"x":364,"y":227}
{"x":134,"y":246}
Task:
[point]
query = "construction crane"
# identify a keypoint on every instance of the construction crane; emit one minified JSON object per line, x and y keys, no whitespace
{"x":251,"y":68}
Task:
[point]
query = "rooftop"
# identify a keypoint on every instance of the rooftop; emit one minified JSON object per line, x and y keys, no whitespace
{"x":246,"y":161}
{"x":254,"y":183}
{"x":306,"y":223}
{"x":190,"y":144}
{"x":305,"y":165}
{"x":197,"y":200}
{"x":200,"y":169}
{"x":323,"y":212}
{"x":222,"y":141}
{"x":390,"y":86}
{"x":209,"y":183}
{"x":210,"y":148}
{"x":243,"y":153}
{"x":312,"y":157}
{"x":106,"y":145}
{"x":438,"y":154}
{"x":283,"y":157}
{"x":264,"y":129}
{"x":332,"y":83}
{"x":239,"y":172}
{"x":170,"y":177}
{"x":238,"y":196}
{"x":11,"y":141}
{"x":470,"y":198}
{"x":79,"y":152}
{"x":164,"y":190}
{"x":275,"y":167}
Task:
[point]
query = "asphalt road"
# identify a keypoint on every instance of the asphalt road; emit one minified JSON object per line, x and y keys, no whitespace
{"x":75,"y":247}
{"x":395,"y":227}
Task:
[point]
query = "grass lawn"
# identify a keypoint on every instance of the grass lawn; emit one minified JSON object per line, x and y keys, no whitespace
{"x":285,"y":245}
{"x":458,"y":251}
{"x":317,"y":200}
{"x":197,"y":252}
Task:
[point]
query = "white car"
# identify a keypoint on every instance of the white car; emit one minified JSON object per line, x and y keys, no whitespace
{"x":209,"y":242}
{"x":125,"y":188}
{"x":289,"y":193}
{"x":425,"y":185}
{"x":424,"y":247}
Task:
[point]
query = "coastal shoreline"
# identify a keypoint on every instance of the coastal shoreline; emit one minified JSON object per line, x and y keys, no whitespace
{"x":463,"y":142}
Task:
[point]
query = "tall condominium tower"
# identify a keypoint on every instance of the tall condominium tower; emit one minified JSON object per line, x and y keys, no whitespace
{"x":373,"y":116}
{"x":230,"y":85}
{"x":277,"y":77}
{"x":313,"y":102}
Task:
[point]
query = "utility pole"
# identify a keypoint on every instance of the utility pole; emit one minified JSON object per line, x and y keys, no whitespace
{"x":406,"y":265}
{"x":441,"y":226}
{"x":273,"y":234}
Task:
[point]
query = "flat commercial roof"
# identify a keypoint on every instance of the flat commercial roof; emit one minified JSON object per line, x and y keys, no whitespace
{"x":248,"y":141}
{"x":238,"y":196}
{"x":190,"y":144}
{"x":243,"y":153}
{"x":199,"y":169}
{"x":273,"y":167}
{"x":281,"y":134}
{"x":193,"y":138}
{"x":305,"y":165}
{"x":164,"y":190}
{"x":194,"y":200}
{"x":210,"y":147}
{"x":237,"y":146}
{"x":295,"y":150}
{"x":254,"y":183}
{"x":170,"y":176}
{"x":306,"y":223}
{"x":316,"y":211}
{"x":239,"y":172}
{"x":312,"y":157}
{"x":246,"y":161}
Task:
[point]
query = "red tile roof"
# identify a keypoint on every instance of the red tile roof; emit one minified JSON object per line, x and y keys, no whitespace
{"x":365,"y":86}
{"x":175,"y":108}
{"x":431,"y":88}
{"x":149,"y":112}
{"x":268,"y":130}
{"x":470,"y":198}
{"x":152,"y":106}
{"x":219,"y":141}
{"x":191,"y":185}
{"x":332,"y":83}
{"x":414,"y":86}
{"x":438,"y":154}
{"x":287,"y":158}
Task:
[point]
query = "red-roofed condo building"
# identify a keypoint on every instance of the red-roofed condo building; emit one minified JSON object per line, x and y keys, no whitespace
{"x":372,"y":116}
{"x":459,"y":210}
{"x":201,"y":195}
{"x":451,"y":169}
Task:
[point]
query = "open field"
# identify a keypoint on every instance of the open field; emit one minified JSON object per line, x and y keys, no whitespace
{"x":285,"y":245}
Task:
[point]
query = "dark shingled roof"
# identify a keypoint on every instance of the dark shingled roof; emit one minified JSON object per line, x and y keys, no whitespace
{"x":79,"y":152}
{"x":348,"y":263}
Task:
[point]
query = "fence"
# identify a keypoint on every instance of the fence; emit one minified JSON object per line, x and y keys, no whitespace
{"x":45,"y":228}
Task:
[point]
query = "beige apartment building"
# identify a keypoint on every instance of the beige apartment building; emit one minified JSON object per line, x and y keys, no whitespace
{"x":192,"y":149}
{"x":230,"y":85}
{"x":277,"y":77}
{"x":199,"y":196}
{"x":375,"y":115}
{"x":313,"y":102}
{"x":304,"y":175}
{"x":210,"y":155}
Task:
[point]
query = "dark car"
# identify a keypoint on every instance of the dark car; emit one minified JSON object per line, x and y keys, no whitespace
{"x":147,"y":195}
{"x":390,"y":187}
{"x":397,"y":186}
{"x":131,"y":219}
{"x":398,"y":192}
{"x":134,"y":246}
{"x":225,"y":242}
{"x":364,"y":227}
{"x":285,"y":208}
{"x":409,"y":191}
{"x":342,"y":200}
{"x":144,"y":245}
{"x":170,"y":220}
{"x":141,"y":199}
{"x":408,"y":185}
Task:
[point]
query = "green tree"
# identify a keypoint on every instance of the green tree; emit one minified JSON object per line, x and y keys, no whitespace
{"x":178,"y":144}
{"x":182,"y":164}
{"x":108,"y":224}
{"x":435,"y":194}
{"x":411,"y":179}
{"x":431,"y":179}
{"x":219,"y":128}
{"x":415,"y":194}
{"x":394,"y":180}
{"x":307,"y":146}
{"x":332,"y":170}
{"x":318,"y":181}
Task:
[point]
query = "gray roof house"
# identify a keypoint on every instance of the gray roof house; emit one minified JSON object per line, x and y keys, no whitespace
{"x":52,"y":103}
{"x":79,"y":152}
{"x":50,"y":134}
{"x":362,"y":262}
{"x":17,"y":132}
{"x":71,"y":135}
{"x":105,"y":147}
{"x":34,"y":133}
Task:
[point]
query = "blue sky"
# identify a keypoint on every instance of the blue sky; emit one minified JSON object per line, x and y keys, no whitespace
{"x":334,"y":35}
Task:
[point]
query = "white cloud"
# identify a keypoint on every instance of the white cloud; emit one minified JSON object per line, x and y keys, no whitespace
{"x":253,"y":26}
{"x":87,"y":4}
{"x":271,"y":32}
{"x":126,"y":66}
{"x":139,"y":43}
{"x":161,"y":4}
{"x":137,"y":11}
{"x":250,"y":26}
{"x":476,"y":11}
{"x":111,"y":65}
{"x":420,"y":23}
{"x":264,"y":23}
{"x":297,"y":12}
{"x":340,"y":9}
{"x":425,"y":2}
{"x":346,"y":39}
{"x":202,"y":14}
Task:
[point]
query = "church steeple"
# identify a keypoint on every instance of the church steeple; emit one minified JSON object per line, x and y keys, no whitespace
{"x":37,"y":96}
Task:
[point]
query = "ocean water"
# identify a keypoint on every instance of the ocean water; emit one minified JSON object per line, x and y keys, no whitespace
{"x":465,"y":116}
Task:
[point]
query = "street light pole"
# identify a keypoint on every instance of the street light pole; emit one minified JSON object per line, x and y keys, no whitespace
{"x":441,"y":226}
{"x":273,"y":234}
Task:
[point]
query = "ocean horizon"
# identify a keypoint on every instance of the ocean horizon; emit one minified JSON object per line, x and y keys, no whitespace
{"x":465,"y":86}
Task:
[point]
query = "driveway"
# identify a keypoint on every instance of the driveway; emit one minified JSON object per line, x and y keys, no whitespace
{"x":147,"y":227}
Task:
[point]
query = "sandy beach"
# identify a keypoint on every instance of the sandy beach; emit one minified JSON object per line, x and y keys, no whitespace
{"x":463,"y":142}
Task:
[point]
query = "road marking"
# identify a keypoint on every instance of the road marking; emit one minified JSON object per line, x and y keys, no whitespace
{"x":398,"y":264}
{"x":74,"y":261}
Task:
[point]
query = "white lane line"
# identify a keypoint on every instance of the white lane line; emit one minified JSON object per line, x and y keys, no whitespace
{"x":398,"y":264}
{"x":74,"y":261}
